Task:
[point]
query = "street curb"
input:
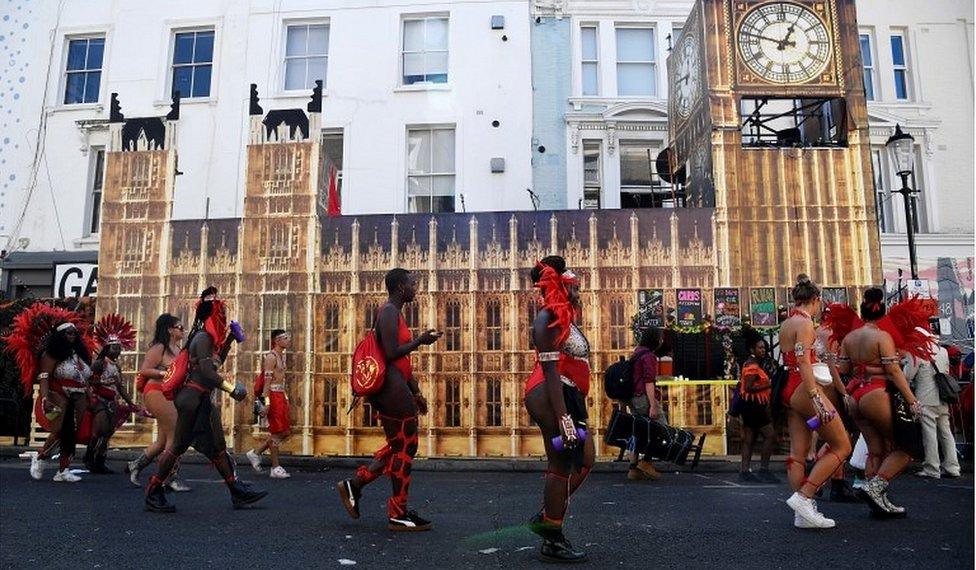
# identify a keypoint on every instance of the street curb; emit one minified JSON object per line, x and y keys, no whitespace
{"x":728,"y":464}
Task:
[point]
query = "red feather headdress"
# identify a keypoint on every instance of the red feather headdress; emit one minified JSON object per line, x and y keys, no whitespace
{"x":114,"y":329}
{"x":29,"y":334}
{"x":555,"y":297}
{"x":841,"y":319}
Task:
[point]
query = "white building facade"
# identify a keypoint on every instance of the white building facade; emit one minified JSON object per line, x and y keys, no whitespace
{"x":419,"y":98}
{"x":422,"y":99}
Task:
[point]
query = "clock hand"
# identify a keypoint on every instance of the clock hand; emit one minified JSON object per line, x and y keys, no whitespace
{"x":762,"y":37}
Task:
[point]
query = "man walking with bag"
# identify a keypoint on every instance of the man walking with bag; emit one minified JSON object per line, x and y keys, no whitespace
{"x":936,"y":431}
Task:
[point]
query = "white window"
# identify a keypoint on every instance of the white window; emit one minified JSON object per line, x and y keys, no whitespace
{"x":867,"y":61}
{"x":675,"y":33}
{"x":640,"y":186}
{"x":97,"y":179}
{"x":306,"y":55}
{"x":890,"y":205}
{"x":635,"y":62}
{"x":592,"y":175}
{"x":83,"y":70}
{"x":882,"y":197}
{"x":430,"y":169}
{"x":424,"y":53}
{"x":331,"y":150}
{"x":590,"y":61}
{"x":899,"y":62}
{"x":192,"y":63}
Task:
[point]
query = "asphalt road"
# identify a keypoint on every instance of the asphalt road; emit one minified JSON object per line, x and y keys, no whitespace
{"x":685,"y":520}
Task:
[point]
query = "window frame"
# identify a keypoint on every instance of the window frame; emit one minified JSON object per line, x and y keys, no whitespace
{"x":882,"y":195}
{"x":63,"y":91}
{"x":430,"y":175}
{"x":453,"y":409}
{"x":92,"y":205}
{"x":904,"y":67}
{"x":170,"y":65}
{"x":330,"y":402}
{"x":593,"y":146}
{"x":494,"y":409}
{"x":453,"y":332}
{"x":494,"y":327}
{"x":870,"y":70}
{"x":655,"y":84}
{"x":284,"y":57}
{"x":584,"y":62}
{"x":425,"y":84}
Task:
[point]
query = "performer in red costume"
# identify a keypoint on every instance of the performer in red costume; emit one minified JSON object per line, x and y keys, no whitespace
{"x":809,"y":409}
{"x":162,"y":352}
{"x":272,"y":377}
{"x":113,"y":333}
{"x":198,"y":419}
{"x":555,"y":399}
{"x":871,"y":352}
{"x":51,"y":348}
{"x":397,"y":404}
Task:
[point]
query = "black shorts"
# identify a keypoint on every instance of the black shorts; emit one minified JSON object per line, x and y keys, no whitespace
{"x":754,"y":414}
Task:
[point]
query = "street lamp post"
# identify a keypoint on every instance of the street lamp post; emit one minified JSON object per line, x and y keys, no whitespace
{"x":901,"y":152}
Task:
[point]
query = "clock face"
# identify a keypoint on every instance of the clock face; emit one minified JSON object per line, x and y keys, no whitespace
{"x":784,"y":42}
{"x":687,"y":79}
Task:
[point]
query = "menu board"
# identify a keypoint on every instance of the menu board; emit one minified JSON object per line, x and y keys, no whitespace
{"x":727,"y":307}
{"x":762,"y":306}
{"x":689,"y":307}
{"x":831,"y":295}
{"x":650,"y":303}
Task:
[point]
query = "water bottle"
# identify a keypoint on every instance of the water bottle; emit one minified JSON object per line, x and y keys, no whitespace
{"x":557,"y":442}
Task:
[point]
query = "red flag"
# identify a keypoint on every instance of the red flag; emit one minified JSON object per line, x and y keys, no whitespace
{"x":335,"y":209}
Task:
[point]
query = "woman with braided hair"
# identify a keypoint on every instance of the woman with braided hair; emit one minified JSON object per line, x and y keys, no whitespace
{"x":555,"y":399}
{"x":52,"y":349}
{"x":809,"y":409}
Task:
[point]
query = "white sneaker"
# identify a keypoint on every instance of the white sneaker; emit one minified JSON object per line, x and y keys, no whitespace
{"x":37,"y":468}
{"x":279,"y":473}
{"x":255,"y":460}
{"x":66,"y":476}
{"x":806,"y":509}
{"x":178,"y":486}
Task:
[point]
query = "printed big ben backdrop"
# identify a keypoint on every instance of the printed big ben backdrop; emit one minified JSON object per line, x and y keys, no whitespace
{"x":757,"y":216}
{"x":789,"y":206}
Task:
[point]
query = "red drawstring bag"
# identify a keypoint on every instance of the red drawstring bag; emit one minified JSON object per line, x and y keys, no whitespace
{"x":368,"y":366}
{"x":176,"y":374}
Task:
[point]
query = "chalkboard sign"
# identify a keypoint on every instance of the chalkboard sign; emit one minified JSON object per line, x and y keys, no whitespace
{"x":650,"y":303}
{"x":727,"y":307}
{"x":689,"y":307}
{"x":762,"y":306}
{"x":831,"y":295}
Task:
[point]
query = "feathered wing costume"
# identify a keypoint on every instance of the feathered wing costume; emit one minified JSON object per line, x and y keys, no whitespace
{"x":28,"y":338}
{"x":902,"y":322}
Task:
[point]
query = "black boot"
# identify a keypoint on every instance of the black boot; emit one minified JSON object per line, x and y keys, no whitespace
{"x":842,"y":492}
{"x":558,"y":549}
{"x":156,"y":498}
{"x":89,"y":459}
{"x":242,"y":494}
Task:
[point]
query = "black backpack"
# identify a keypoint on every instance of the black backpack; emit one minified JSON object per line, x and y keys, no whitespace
{"x":618,"y":379}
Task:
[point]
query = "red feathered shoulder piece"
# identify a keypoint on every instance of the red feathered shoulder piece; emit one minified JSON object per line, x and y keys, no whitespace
{"x":555,"y":298}
{"x":908,"y":324}
{"x":841,"y":319}
{"x":114,"y":328}
{"x":30,"y":331}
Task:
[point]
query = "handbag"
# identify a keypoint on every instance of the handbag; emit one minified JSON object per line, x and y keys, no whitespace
{"x":948,"y":386}
{"x":906,"y":429}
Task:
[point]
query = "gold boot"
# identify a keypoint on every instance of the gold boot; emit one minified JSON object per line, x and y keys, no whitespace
{"x":635,"y":474}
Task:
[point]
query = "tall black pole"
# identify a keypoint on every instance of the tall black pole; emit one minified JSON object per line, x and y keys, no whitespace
{"x":906,"y":192}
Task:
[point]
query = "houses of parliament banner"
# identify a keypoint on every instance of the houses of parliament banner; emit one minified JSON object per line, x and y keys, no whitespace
{"x":285,"y":264}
